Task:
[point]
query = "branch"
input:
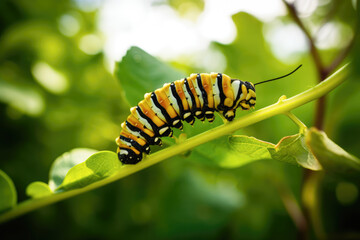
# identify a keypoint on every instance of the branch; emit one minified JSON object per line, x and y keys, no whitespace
{"x":292,"y":207}
{"x":314,"y":52}
{"x":281,"y":107}
{"x":341,"y":56}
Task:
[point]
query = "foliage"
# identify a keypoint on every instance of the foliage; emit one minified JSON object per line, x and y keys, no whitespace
{"x":198,"y":193}
{"x":80,"y":168}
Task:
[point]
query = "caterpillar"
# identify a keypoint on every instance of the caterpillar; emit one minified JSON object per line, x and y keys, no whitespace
{"x":197,"y":96}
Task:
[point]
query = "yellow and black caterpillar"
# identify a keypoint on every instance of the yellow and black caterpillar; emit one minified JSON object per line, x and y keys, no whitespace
{"x":199,"y":95}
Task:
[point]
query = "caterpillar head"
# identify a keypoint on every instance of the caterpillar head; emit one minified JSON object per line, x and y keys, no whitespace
{"x":245,"y":97}
{"x":248,"y":97}
{"x":244,"y":92}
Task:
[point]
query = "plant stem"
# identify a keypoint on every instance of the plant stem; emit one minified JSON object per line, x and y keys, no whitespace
{"x":297,"y":121}
{"x":281,"y":107}
{"x":292,"y":207}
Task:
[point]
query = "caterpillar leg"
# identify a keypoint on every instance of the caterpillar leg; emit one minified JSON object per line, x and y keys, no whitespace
{"x":189,"y":118}
{"x":209,"y":114}
{"x":229,"y":115}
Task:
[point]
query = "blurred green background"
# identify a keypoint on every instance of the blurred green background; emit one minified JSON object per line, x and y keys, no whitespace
{"x":58,"y":92}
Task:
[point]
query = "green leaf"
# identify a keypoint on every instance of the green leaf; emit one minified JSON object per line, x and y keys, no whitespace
{"x":139,"y":73}
{"x":244,"y":149}
{"x":38,"y":190}
{"x":251,"y":146}
{"x":331,"y":156}
{"x":65,"y":162}
{"x":98,"y":166}
{"x":7,"y":192}
{"x":292,"y":149}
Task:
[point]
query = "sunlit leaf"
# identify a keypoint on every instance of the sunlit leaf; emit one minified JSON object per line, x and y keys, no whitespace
{"x":8,"y":196}
{"x":65,"y":162}
{"x":98,"y":166}
{"x":292,"y":149}
{"x":139,"y":73}
{"x":38,"y":190}
{"x":331,"y":156}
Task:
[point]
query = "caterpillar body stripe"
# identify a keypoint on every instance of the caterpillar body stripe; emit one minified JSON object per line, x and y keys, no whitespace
{"x":197,"y":96}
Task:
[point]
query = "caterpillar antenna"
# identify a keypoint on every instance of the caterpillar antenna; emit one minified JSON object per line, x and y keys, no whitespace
{"x":279,"y":77}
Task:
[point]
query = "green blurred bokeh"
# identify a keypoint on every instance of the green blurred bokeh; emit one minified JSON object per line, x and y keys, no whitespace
{"x":56,"y":95}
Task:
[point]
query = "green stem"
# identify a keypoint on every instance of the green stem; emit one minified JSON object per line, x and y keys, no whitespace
{"x":297,"y":121}
{"x":280,"y":107}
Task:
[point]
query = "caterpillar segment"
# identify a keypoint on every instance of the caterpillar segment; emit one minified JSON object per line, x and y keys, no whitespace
{"x":197,"y":96}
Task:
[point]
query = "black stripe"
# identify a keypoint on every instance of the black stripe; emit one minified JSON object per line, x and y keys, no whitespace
{"x":249,"y":86}
{"x":152,"y":124}
{"x":209,"y":115}
{"x":206,"y":107}
{"x":201,"y":108}
{"x":252,"y":98}
{"x":163,"y":110}
{"x":178,"y":99}
{"x":150,"y":140}
{"x":203,"y":92}
{"x":191,"y":95}
{"x":221,"y":105}
{"x":133,"y":143}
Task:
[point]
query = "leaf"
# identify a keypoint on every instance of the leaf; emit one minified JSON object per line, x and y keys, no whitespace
{"x":246,"y":149}
{"x":98,"y":166}
{"x":139,"y":73}
{"x":8,"y":194}
{"x":331,"y":156}
{"x":65,"y":162}
{"x":251,"y":146}
{"x":292,"y":149}
{"x":38,"y":190}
